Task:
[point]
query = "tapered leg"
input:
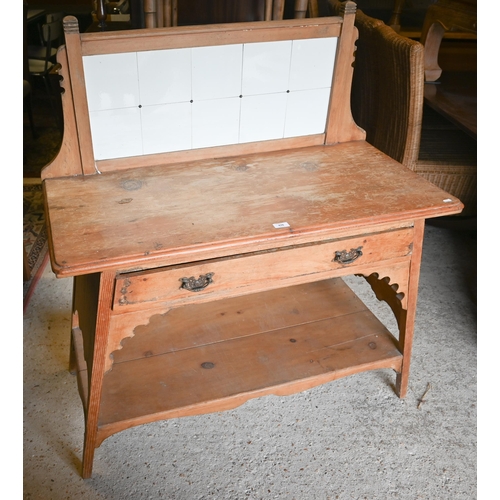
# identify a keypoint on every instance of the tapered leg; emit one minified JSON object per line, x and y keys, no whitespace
{"x":399,"y":291}
{"x":408,"y":326}
{"x":92,"y":302}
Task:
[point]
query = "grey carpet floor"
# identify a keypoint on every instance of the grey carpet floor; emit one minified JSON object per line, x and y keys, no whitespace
{"x":350,"y":439}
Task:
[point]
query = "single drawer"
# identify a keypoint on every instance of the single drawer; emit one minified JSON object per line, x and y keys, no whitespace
{"x":246,"y":273}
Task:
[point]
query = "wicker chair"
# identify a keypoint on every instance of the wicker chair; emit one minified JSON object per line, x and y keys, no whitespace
{"x":388,"y":102}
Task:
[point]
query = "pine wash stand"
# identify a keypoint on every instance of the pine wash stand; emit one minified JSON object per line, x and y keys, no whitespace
{"x":211,"y":190}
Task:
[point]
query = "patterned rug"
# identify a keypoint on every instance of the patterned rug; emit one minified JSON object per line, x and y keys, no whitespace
{"x":38,"y":151}
{"x":34,"y":234}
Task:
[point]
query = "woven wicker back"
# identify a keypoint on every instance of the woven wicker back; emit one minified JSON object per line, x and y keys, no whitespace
{"x":387,"y":100}
{"x":388,"y":86}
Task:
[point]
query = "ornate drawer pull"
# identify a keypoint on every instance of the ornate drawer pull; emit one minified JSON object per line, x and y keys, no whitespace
{"x":196,"y":285}
{"x":345,"y":257}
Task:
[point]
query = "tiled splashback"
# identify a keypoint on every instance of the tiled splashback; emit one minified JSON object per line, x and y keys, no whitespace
{"x":170,"y":100}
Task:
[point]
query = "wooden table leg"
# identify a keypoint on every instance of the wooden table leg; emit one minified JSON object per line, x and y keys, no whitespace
{"x":300,"y":9}
{"x":407,"y":329}
{"x":395,"y":21}
{"x":399,"y":290}
{"x":96,"y":369}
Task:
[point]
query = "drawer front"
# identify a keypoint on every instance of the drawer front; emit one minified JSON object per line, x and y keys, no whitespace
{"x":209,"y":280}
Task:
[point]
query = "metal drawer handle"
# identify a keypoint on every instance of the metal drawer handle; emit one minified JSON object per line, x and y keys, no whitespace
{"x":196,"y":285}
{"x":345,"y":257}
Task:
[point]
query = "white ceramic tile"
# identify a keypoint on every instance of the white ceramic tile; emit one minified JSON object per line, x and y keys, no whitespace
{"x":163,"y":83}
{"x":216,"y":122}
{"x":312,"y":63}
{"x":216,"y":71}
{"x":166,"y":127}
{"x":266,"y":67}
{"x":116,"y":133}
{"x":306,"y":112}
{"x":111,"y":81}
{"x":164,"y":76}
{"x":263,"y":117}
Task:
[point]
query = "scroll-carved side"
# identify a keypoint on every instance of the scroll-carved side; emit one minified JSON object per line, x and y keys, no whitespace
{"x":67,"y":161}
{"x":340,"y":123}
{"x":393,"y":290}
{"x":389,"y":294}
{"x":126,"y":326}
{"x":114,"y":345}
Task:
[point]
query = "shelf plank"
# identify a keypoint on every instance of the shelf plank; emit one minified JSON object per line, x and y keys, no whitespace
{"x":330,"y":335}
{"x":194,"y":326}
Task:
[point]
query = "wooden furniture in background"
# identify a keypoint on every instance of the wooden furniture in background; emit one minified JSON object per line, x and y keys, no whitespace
{"x":387,"y":101}
{"x":27,"y":87}
{"x":208,"y":272}
{"x":167,"y":13}
{"x":306,"y":8}
{"x":395,"y":20}
{"x":453,"y":94}
{"x":46,"y":70}
{"x":455,"y":98}
{"x":387,"y":89}
{"x":392,"y":122}
{"x":160,"y":13}
{"x":164,"y":13}
{"x":443,"y":16}
{"x":38,"y":50}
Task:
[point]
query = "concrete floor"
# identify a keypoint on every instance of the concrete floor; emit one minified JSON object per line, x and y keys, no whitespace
{"x":349,"y":439}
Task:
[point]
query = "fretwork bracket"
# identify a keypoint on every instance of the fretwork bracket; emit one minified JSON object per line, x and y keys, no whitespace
{"x":391,"y":286}
{"x":123,"y":327}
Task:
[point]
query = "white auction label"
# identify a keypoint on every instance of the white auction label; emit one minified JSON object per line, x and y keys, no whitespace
{"x":281,"y":224}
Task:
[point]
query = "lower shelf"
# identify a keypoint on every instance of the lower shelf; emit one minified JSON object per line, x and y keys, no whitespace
{"x":215,"y":356}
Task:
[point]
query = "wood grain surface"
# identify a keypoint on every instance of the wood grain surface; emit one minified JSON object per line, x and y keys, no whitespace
{"x":187,"y":212}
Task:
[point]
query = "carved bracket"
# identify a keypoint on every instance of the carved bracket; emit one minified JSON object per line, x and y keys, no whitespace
{"x":391,"y":286}
{"x":125,"y":326}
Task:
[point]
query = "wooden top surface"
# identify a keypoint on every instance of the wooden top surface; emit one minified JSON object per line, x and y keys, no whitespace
{"x":170,"y":214}
{"x":455,"y":97}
